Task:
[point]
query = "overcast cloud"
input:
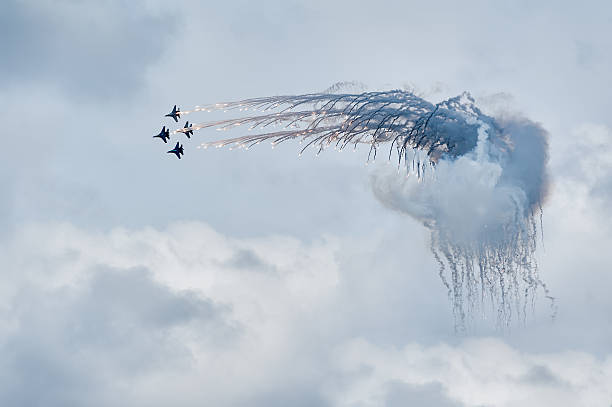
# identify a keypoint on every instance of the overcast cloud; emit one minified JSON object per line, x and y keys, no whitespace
{"x":257,"y":279}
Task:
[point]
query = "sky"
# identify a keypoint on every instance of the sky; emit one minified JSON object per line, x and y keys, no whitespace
{"x":236,"y":278}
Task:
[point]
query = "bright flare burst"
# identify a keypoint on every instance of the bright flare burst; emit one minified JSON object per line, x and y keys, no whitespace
{"x":480,"y":204}
{"x":397,"y":117}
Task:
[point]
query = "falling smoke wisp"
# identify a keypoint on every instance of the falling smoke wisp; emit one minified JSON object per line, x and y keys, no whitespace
{"x":480,"y":203}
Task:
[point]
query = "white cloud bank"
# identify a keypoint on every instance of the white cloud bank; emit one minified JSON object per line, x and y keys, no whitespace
{"x":483,"y":372}
{"x":187,"y":316}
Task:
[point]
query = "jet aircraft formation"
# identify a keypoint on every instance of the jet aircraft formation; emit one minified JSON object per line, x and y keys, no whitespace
{"x":164,"y":134}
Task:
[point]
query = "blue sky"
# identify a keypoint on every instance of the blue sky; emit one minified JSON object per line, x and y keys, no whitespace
{"x":257,"y":279}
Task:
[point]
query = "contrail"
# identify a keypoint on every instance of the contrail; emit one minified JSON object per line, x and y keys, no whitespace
{"x":480,"y":202}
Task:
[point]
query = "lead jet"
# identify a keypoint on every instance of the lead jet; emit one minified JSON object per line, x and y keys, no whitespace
{"x":175,"y":113}
{"x":178,"y":150}
{"x":164,"y":134}
{"x":187,"y":130}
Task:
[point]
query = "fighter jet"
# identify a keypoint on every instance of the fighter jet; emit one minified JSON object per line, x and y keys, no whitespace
{"x":184,"y":130}
{"x":164,"y":134}
{"x":175,"y":113}
{"x":178,"y":150}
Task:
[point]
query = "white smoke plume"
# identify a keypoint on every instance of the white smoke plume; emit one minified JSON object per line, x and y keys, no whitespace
{"x":484,"y":210}
{"x":478,"y":183}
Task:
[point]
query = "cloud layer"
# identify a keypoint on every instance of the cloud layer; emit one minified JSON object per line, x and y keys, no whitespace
{"x":189,"y":316}
{"x":108,"y":297}
{"x":92,"y":50}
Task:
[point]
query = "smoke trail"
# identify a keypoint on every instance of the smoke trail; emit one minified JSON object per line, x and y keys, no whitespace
{"x":479,"y":203}
{"x":401,"y":119}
